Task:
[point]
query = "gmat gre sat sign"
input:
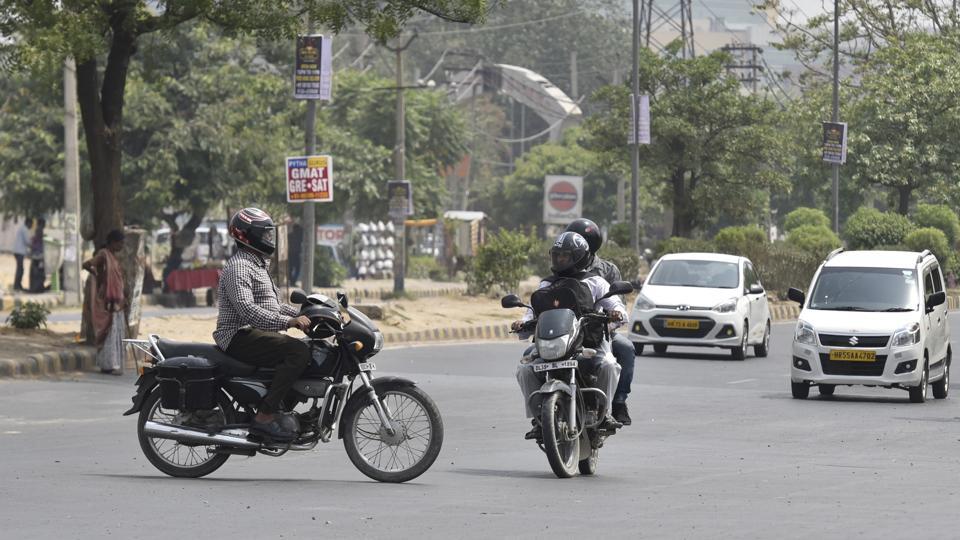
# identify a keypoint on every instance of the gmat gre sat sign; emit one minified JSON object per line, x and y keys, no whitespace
{"x":562,"y":199}
{"x":310,"y":179}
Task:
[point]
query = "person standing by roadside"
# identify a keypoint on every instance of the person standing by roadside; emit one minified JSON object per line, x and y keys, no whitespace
{"x":107,"y":304}
{"x":21,"y":246}
{"x":38,"y":273}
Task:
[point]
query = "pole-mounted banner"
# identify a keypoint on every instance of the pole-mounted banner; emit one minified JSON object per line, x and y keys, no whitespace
{"x":835,"y":142}
{"x":313,"y":72}
{"x":639,"y":120}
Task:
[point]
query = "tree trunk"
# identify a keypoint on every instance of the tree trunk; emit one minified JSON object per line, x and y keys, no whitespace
{"x":180,"y":240}
{"x":903,"y":207}
{"x":682,"y":218}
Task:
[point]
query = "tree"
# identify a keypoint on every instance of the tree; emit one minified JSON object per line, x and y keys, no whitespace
{"x":907,"y":117}
{"x":715,"y":150}
{"x":109,"y":33}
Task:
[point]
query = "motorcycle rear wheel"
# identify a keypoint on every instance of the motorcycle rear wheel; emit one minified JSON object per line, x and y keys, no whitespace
{"x":410,"y":451}
{"x":562,"y":454}
{"x":171,"y":457}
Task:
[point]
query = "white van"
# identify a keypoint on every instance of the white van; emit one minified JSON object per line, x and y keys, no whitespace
{"x":874,"y":318}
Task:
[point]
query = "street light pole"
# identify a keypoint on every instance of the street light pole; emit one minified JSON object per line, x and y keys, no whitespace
{"x":399,"y":158}
{"x":635,"y":150}
{"x":836,"y":111}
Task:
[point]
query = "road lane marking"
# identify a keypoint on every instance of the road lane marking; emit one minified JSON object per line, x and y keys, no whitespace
{"x":741,"y":381}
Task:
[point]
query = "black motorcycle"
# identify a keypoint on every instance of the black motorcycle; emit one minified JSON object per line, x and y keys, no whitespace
{"x":196,"y":402}
{"x":571,"y":408}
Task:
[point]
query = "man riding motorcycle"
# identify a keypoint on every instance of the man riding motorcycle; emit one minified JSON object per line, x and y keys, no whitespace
{"x":570,"y":260}
{"x":621,"y":347}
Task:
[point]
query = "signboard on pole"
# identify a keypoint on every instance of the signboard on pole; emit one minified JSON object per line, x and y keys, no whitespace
{"x":562,"y":199}
{"x":313,"y":71}
{"x":330,"y":235}
{"x":639,"y":120}
{"x":399,"y":199}
{"x":835,"y":142}
{"x":310,"y":179}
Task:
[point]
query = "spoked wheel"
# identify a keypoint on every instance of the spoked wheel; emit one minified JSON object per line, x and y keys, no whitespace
{"x":172,"y":457}
{"x":407,"y":452}
{"x":588,"y":466}
{"x":562,"y":453}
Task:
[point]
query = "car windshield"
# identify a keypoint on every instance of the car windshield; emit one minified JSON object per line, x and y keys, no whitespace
{"x":696,"y":273}
{"x":865,"y":289}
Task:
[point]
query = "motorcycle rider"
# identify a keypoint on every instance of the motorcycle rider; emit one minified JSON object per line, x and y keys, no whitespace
{"x":251,"y":317}
{"x":621,"y":347}
{"x":570,"y":259}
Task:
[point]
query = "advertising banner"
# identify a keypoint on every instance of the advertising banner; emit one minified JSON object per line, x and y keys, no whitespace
{"x":310,"y":178}
{"x":835,"y":142}
{"x":313,"y":71}
{"x":399,"y":199}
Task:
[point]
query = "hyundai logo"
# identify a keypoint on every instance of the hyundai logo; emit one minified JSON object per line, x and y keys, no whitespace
{"x":683,"y":308}
{"x":854,"y":341}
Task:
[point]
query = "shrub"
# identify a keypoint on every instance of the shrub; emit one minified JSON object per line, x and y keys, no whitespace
{"x":28,"y":316}
{"x":678,"y":244}
{"x":805,"y":216}
{"x":938,"y":216}
{"x":816,"y":240}
{"x":501,"y":261}
{"x":782,"y":265}
{"x":626,"y":260}
{"x":619,"y":234}
{"x":538,"y":257}
{"x":745,"y":241}
{"x":327,"y":272}
{"x":868,"y":228}
{"x":422,"y":267}
{"x":932,"y":239}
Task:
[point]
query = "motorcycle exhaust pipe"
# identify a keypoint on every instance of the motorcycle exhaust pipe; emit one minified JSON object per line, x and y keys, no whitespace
{"x":195,"y":436}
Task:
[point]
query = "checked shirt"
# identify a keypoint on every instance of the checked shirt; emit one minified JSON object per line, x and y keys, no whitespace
{"x":248,"y":299}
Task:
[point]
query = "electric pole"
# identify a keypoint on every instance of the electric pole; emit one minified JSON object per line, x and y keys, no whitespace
{"x":635,"y":148}
{"x":836,"y":111}
{"x":71,"y":192}
{"x":399,"y":157}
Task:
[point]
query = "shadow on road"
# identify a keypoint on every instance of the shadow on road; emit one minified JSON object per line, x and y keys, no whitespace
{"x":717,"y":357}
{"x":278,"y":481}
{"x":506,"y":474}
{"x":838,"y":398}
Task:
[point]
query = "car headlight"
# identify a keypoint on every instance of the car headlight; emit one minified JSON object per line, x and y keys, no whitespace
{"x":553,"y":349}
{"x":805,"y":334}
{"x":907,"y":336}
{"x":643,"y":303}
{"x":377,"y":341}
{"x":727,"y":306}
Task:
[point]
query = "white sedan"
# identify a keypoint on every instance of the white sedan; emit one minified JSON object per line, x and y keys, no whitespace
{"x":702,"y":300}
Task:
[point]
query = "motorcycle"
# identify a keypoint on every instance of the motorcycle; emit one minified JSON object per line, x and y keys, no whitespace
{"x":195,"y":402}
{"x":571,"y":408}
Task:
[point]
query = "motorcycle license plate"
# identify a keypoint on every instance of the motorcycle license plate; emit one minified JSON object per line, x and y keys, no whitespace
{"x":368,"y":366}
{"x":548,"y":366}
{"x":683,"y":324}
{"x":853,"y":356}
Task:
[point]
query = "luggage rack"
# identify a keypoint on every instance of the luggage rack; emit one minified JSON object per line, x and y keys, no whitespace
{"x":147,"y":346}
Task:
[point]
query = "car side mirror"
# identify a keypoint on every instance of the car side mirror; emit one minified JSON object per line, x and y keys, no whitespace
{"x":756,"y":288}
{"x":796,"y":295}
{"x":298,"y":297}
{"x":936,"y":299}
{"x":619,"y":287}
{"x":342,"y":300}
{"x":511,"y":301}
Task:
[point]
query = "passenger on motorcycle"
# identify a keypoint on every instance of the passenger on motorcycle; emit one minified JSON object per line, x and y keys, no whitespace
{"x":251,"y":318}
{"x":621,"y":347}
{"x":570,"y":261}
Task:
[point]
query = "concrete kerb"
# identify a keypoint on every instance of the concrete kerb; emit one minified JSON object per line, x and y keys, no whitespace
{"x":8,"y":302}
{"x":50,"y":363}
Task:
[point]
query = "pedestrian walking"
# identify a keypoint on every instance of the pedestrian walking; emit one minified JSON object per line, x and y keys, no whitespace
{"x":107,"y":304}
{"x":38,"y":273}
{"x":21,"y":247}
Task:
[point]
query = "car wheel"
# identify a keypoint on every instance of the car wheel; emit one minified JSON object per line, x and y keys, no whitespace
{"x":638,"y":348}
{"x":659,"y":348}
{"x":941,"y":388}
{"x":826,"y":389}
{"x":740,"y":352}
{"x":800,"y":390}
{"x":763,"y":348}
{"x":918,"y":394}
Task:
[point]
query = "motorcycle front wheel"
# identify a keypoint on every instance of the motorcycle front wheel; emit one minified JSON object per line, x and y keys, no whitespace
{"x":562,"y":452}
{"x":172,"y":457}
{"x":407,"y":452}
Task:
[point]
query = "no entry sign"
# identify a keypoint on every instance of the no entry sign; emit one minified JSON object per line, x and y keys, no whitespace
{"x":562,"y":199}
{"x":310,"y":178}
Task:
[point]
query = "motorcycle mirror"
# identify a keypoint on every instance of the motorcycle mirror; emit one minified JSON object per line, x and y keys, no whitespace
{"x":342,"y":299}
{"x":298,"y":297}
{"x":619,"y":287}
{"x":511,"y":301}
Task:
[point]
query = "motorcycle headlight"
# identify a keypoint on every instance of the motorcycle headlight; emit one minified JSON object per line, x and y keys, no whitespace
{"x":805,"y":334}
{"x":643,"y":303}
{"x":727,"y":306}
{"x":907,"y":336}
{"x":377,"y":341}
{"x":553,"y":349}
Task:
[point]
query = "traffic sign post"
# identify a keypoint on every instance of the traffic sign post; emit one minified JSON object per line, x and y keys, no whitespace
{"x":562,"y":199}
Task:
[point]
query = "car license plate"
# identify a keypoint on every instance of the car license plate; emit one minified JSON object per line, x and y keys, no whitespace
{"x":368,"y":366}
{"x":684,"y":324}
{"x":548,"y":366}
{"x":841,"y":355}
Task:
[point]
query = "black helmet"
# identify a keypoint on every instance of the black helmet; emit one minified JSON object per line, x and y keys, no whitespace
{"x":589,"y":231}
{"x":253,"y":228}
{"x":569,"y":255}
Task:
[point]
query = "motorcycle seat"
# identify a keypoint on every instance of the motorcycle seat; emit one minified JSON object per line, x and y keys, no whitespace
{"x":226,"y":364}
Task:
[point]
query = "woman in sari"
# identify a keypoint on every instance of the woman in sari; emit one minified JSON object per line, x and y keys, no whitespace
{"x":107,"y":304}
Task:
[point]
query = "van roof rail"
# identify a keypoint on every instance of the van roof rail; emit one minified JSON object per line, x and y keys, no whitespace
{"x":923,"y":254}
{"x":833,"y":253}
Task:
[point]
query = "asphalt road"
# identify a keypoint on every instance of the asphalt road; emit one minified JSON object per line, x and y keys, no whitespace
{"x":718,"y":449}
